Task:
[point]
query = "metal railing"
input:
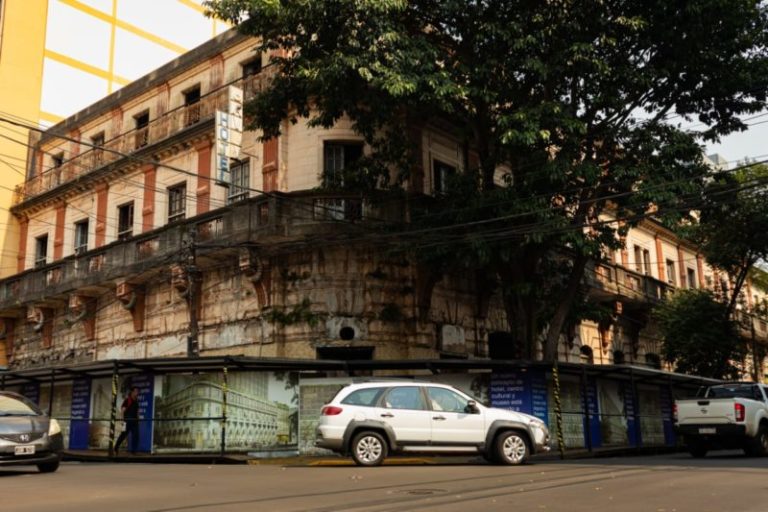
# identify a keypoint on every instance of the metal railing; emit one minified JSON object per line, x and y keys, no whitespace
{"x":165,"y":126}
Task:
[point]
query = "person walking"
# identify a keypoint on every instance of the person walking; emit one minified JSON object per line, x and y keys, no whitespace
{"x":130,"y":411}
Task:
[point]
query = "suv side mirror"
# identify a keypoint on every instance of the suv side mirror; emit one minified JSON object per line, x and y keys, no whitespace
{"x":472,"y":408}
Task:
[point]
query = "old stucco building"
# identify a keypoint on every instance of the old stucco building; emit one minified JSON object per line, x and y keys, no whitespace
{"x":130,"y":239}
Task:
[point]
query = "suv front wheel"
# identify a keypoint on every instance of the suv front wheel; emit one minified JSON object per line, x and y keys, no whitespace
{"x":369,"y":448}
{"x":511,"y":448}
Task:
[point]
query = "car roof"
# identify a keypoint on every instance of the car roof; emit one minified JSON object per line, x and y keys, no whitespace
{"x":395,"y":383}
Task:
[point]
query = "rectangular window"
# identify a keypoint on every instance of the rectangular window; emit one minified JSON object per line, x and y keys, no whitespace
{"x":671,"y":272}
{"x":638,"y":259}
{"x":177,"y":202}
{"x":125,"y":221}
{"x":442,"y":173}
{"x":142,"y":129}
{"x":252,"y":67}
{"x":691,"y":278}
{"x":338,"y":156}
{"x":192,"y":105}
{"x":647,"y":262}
{"x":41,"y":250}
{"x":241,"y":181}
{"x":81,"y":236}
{"x":251,"y":80}
{"x":97,"y":141}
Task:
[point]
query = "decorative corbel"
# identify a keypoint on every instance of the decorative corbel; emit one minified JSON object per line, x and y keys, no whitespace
{"x":259,"y":272}
{"x":83,"y":308}
{"x":132,"y":298}
{"x":180,"y":280}
{"x":42,"y":322}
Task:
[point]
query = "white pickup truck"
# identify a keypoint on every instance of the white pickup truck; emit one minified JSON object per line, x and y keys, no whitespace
{"x":729,"y":416}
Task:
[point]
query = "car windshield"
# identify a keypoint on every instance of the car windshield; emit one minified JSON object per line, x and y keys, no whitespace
{"x":733,"y":391}
{"x":12,"y":406}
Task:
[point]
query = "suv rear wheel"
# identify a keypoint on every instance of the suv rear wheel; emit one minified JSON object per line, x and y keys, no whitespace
{"x":511,"y":448}
{"x":369,"y":448}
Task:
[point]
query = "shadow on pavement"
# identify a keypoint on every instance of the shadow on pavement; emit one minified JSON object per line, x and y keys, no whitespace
{"x":714,"y":460}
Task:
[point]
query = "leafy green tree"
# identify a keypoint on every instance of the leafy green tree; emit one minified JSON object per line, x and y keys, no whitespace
{"x":699,"y":338}
{"x":580,"y":100}
{"x":733,"y":227}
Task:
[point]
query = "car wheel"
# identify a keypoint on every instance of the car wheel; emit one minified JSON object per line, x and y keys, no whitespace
{"x":369,"y":448}
{"x":758,"y":447}
{"x":511,"y":448}
{"x":48,"y":467}
{"x":697,"y":450}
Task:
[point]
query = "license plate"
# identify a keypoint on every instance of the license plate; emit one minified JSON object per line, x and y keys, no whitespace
{"x":24,"y":450}
{"x":707,"y":431}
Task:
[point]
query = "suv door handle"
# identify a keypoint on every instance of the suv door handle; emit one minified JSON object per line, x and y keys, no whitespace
{"x":438,"y":418}
{"x":387,"y":415}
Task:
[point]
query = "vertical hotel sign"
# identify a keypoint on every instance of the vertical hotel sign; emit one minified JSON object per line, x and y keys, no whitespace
{"x":229,"y":134}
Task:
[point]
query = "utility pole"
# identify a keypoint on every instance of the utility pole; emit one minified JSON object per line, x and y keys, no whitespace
{"x":193,"y":346}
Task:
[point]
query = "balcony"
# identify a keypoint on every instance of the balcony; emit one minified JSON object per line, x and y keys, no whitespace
{"x":612,"y":282}
{"x":263,"y":220}
{"x":158,"y":130}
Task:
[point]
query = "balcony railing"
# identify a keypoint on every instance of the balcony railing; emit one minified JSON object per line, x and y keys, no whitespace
{"x":126,"y":143}
{"x":263,"y":219}
{"x":619,"y":282}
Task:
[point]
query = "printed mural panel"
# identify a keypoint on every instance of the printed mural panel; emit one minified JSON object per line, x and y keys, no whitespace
{"x":573,"y":418}
{"x":262,"y":412}
{"x":651,"y":419}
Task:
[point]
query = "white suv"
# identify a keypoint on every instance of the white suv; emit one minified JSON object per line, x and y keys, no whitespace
{"x":370,"y":420}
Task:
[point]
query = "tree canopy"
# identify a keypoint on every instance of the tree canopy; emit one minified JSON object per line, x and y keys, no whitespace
{"x":698,"y":338}
{"x":581,"y":102}
{"x":733,"y":227}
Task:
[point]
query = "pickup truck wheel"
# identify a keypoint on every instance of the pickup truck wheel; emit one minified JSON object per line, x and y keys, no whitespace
{"x":758,"y":447}
{"x":697,"y":450}
{"x":369,"y":449}
{"x":511,"y":448}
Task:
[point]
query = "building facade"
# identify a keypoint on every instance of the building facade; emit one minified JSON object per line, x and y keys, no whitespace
{"x":136,"y":242}
{"x":115,"y":42}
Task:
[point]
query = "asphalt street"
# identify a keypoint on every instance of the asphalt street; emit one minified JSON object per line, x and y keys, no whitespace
{"x":669,"y":483}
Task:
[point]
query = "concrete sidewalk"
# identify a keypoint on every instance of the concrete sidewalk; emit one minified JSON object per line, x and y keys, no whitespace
{"x":311,"y":461}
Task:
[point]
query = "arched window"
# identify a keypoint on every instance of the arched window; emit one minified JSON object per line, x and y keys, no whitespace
{"x":585,"y":355}
{"x":653,"y":360}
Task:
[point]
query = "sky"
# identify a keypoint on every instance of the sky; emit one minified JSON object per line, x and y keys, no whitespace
{"x":750,"y":143}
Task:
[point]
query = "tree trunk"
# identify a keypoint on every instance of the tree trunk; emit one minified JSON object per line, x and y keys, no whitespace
{"x":738,"y":285}
{"x":564,"y":305}
{"x":519,"y":305}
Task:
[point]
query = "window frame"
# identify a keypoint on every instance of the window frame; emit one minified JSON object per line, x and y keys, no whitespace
{"x":671,"y":274}
{"x":80,"y":233}
{"x":181,"y":214}
{"x":239,"y":192}
{"x":638,"y":259}
{"x":691,"y":278}
{"x":125,"y":233}
{"x":336,"y":180}
{"x":439,"y":180}
{"x":41,"y":256}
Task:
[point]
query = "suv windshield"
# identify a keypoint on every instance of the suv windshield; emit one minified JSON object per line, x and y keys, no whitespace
{"x":735,"y":391}
{"x":13,"y":406}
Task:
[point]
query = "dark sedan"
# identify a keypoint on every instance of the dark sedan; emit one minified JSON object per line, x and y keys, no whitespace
{"x":27,"y":435}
